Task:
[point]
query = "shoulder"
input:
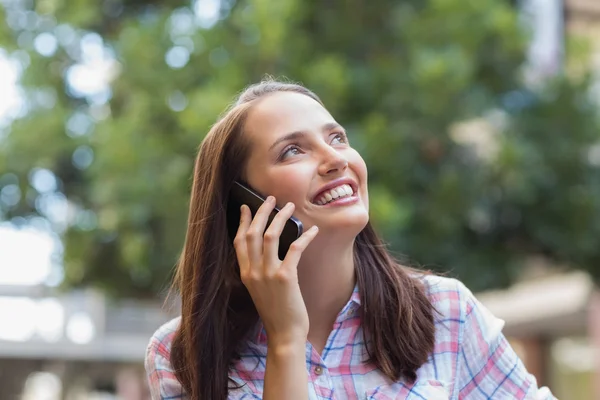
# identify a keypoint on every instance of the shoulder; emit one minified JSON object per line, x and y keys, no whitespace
{"x":444,"y":293}
{"x":161,"y":377}
{"x":456,"y":304}
{"x":163,"y":337}
{"x":160,"y":343}
{"x":452,"y":299}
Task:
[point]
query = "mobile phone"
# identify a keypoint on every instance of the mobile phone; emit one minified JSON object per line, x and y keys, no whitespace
{"x":242,"y":194}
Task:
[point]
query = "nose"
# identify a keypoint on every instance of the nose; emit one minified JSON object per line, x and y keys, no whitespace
{"x":332,"y":161}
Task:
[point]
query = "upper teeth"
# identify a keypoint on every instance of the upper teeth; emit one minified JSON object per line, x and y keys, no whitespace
{"x":335,"y":193}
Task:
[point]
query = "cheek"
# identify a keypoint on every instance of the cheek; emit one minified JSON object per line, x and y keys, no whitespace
{"x":360,"y":168}
{"x":286,"y":184}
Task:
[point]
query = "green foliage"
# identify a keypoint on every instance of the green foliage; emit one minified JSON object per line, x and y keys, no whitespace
{"x":402,"y":76}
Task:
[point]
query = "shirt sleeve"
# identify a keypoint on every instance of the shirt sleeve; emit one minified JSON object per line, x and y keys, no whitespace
{"x":488,"y":366}
{"x":164,"y":384}
{"x":161,"y":378}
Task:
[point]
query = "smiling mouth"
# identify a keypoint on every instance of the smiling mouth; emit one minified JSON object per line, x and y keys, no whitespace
{"x":332,"y":195}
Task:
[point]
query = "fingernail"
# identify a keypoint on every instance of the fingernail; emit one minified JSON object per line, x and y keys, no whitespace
{"x":270,"y":199}
{"x":289,"y":204}
{"x":314,"y":228}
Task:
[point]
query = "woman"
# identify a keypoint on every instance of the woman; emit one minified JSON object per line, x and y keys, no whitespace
{"x":338,"y":318}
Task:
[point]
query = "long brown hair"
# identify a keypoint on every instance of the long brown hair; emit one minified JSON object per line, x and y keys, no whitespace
{"x":217,"y":312}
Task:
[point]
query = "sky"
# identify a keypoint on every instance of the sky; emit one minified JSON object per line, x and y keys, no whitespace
{"x":28,"y":254}
{"x":18,"y":264}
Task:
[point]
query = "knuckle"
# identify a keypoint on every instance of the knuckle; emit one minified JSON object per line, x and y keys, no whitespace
{"x":295,"y":247}
{"x":252,"y":234}
{"x":270,"y":236}
{"x":250,"y":276}
{"x":254,"y":277}
{"x":281,"y":277}
{"x":237,"y":241}
{"x":244,"y":276}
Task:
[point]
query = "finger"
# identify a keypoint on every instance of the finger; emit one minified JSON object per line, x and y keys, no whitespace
{"x":293,"y":255}
{"x":272,"y":235}
{"x":254,"y":234}
{"x":239,"y":242}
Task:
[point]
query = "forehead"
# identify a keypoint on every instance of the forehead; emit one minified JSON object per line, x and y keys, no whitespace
{"x":281,"y":113}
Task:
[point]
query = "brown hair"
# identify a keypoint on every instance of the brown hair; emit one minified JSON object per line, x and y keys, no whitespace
{"x":217,"y":312}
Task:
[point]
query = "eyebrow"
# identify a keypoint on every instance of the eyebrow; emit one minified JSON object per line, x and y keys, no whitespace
{"x":298,"y":134}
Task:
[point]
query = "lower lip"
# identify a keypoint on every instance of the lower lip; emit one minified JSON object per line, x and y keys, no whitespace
{"x":344,"y":201}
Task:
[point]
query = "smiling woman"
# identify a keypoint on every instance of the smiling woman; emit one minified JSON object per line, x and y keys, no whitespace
{"x":337,"y":318}
{"x":298,"y":153}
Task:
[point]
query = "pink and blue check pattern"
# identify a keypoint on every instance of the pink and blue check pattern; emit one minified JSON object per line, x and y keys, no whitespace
{"x":472,"y":359}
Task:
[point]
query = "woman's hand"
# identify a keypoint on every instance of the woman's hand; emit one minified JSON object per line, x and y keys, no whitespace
{"x":272,"y":283}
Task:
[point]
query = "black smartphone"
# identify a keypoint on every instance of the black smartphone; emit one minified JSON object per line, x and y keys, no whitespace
{"x":241,"y":194}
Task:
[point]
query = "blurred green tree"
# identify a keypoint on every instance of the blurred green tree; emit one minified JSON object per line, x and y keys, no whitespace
{"x":470,"y":171}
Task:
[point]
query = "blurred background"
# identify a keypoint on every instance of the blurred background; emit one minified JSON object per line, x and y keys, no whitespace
{"x":479,"y":121}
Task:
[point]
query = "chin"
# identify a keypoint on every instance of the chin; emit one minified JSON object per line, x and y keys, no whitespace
{"x":349,"y":223}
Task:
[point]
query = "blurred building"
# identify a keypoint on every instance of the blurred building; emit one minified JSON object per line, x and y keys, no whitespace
{"x":553,"y":322}
{"x":82,"y":346}
{"x":582,"y":20}
{"x":583,"y":17}
{"x":74,"y":346}
{"x":559,"y":30}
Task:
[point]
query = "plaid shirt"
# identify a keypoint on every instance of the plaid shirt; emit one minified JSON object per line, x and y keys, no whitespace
{"x":471,"y":360}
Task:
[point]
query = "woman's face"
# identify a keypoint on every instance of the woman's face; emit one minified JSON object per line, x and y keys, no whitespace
{"x":300,"y":154}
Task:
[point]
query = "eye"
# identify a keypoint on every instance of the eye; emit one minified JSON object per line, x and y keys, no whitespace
{"x":289,"y":151}
{"x":339,"y":138}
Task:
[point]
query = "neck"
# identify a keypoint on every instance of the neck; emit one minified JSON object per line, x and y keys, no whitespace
{"x":327,"y":279}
